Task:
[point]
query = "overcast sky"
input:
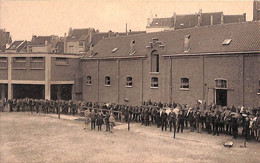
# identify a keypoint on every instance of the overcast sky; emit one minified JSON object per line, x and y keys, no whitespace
{"x":26,"y":18}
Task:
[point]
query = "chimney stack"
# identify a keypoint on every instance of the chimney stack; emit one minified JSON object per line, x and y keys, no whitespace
{"x":222,"y":18}
{"x":175,"y":18}
{"x":199,"y":17}
{"x":211,"y":19}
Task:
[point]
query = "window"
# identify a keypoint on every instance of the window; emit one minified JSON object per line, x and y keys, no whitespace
{"x":185,"y":83}
{"x":154,"y":82}
{"x":226,"y":42}
{"x":107,"y":81}
{"x":154,"y":62}
{"x":19,"y":62}
{"x":62,"y":61}
{"x":221,"y":83}
{"x":80,"y":43}
{"x":3,"y":62}
{"x":37,"y":63}
{"x":88,"y":81}
{"x":129,"y":82}
{"x":114,"y":50}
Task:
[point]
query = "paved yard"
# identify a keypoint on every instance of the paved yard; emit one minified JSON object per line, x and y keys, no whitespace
{"x":39,"y":138}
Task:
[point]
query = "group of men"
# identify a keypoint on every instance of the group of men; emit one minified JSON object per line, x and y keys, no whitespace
{"x":96,"y":117}
{"x":40,"y":105}
{"x":212,"y":118}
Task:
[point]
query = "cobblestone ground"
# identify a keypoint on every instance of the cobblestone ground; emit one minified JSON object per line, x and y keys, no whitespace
{"x":44,"y":138}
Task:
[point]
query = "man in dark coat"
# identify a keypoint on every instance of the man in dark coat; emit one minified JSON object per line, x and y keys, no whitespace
{"x":93,"y":120}
{"x":180,"y":121}
{"x":164,"y":119}
{"x":99,"y":121}
{"x":172,"y":120}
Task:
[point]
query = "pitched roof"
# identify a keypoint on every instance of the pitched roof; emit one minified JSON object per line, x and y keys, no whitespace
{"x":40,"y":40}
{"x":162,"y":22}
{"x":77,"y":34}
{"x":186,"y":21}
{"x":207,"y":39}
{"x":234,"y":18}
{"x":18,"y":45}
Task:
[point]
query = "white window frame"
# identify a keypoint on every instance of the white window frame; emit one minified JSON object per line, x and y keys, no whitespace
{"x":107,"y":79}
{"x":153,"y":83}
{"x":57,"y":63}
{"x":88,"y":80}
{"x":129,"y":83}
{"x":183,"y":85}
{"x":4,"y":61}
{"x":220,"y":87}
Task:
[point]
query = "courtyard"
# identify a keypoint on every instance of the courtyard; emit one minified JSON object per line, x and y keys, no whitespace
{"x":26,"y":137}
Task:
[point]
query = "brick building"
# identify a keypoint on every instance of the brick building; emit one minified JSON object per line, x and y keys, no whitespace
{"x":38,"y":75}
{"x":219,"y":64}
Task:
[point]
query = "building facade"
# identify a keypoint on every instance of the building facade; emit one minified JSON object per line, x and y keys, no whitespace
{"x":38,"y":75}
{"x":219,"y":64}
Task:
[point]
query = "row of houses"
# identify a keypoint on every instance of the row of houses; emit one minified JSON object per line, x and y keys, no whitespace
{"x":213,"y":63}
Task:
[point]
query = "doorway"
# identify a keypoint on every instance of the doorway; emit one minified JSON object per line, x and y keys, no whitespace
{"x":221,"y":97}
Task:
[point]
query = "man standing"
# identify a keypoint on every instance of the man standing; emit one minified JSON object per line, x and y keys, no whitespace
{"x":172,"y":120}
{"x":180,"y":121}
{"x":107,"y":122}
{"x":93,"y":120}
{"x":100,"y":120}
{"x":164,"y":119}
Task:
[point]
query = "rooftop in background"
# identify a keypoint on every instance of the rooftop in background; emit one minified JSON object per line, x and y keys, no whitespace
{"x":192,"y":20}
{"x":202,"y":40}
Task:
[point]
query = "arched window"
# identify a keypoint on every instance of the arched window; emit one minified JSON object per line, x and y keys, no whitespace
{"x":221,"y":83}
{"x":129,"y":81}
{"x":154,"y":82}
{"x":107,"y":81}
{"x":185,"y":83}
{"x":154,"y":61}
{"x":88,"y":80}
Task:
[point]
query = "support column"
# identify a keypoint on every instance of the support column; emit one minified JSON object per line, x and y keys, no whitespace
{"x":10,"y":87}
{"x":98,"y":81}
{"x":59,"y":92}
{"x":47,"y":77}
{"x":170,"y":80}
{"x":118,"y":79}
{"x":141,"y":88}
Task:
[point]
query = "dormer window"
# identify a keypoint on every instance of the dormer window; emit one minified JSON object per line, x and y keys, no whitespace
{"x":92,"y":55}
{"x":187,"y":43}
{"x":114,"y":50}
{"x":132,"y":47}
{"x":226,"y":42}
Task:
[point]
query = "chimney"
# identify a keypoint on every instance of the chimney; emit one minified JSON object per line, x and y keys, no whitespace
{"x":199,"y":17}
{"x":34,"y":38}
{"x":222,"y":18}
{"x":211,"y":19}
{"x":126,"y":32}
{"x":244,"y":17}
{"x":174,"y":19}
{"x":65,"y":43}
{"x":186,"y":43}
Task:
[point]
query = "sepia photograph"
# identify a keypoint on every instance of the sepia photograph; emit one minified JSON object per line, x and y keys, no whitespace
{"x":149,"y":81}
